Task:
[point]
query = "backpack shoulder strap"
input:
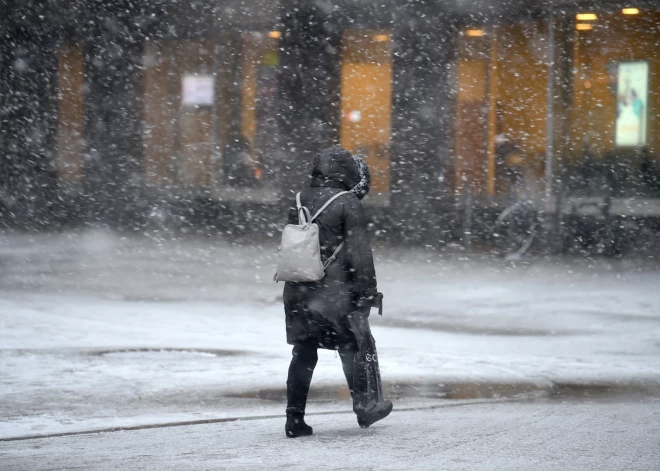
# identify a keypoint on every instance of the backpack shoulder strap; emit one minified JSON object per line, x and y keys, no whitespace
{"x":304,"y":217}
{"x":327,"y":203}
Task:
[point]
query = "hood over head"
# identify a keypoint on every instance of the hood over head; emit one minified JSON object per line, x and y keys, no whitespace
{"x":335,"y":167}
{"x":363,"y":187}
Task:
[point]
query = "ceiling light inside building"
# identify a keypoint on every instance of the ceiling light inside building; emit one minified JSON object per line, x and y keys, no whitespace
{"x":586,"y":17}
{"x":584,"y":27}
{"x":381,"y":38}
{"x":475,"y":33}
{"x":630,"y":11}
{"x":275,"y":35}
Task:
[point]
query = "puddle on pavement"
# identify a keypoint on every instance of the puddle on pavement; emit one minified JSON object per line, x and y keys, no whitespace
{"x":454,"y":327}
{"x":160,"y":352}
{"x":458,"y":391}
{"x":398,"y":390}
{"x":154,"y":299}
{"x":604,"y":390}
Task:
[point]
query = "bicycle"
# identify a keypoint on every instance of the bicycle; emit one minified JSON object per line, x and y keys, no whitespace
{"x":516,"y":226}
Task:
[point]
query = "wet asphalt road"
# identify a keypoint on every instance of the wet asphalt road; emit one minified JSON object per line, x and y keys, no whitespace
{"x":549,"y":434}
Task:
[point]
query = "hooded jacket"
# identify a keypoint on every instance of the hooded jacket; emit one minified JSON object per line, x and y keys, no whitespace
{"x":316,"y":312}
{"x":364,"y":185}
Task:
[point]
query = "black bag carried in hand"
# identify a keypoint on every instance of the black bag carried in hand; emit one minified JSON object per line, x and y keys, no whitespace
{"x":367,"y":386}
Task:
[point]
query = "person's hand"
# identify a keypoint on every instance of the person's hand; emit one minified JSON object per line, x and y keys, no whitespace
{"x":372,"y":299}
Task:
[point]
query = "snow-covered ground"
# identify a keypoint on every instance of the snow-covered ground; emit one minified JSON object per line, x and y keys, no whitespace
{"x":100,"y":330}
{"x":500,"y":436}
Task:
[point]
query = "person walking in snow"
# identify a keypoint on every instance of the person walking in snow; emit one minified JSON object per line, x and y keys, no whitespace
{"x":333,"y":313}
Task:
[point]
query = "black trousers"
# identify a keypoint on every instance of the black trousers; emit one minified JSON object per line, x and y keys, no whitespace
{"x":301,"y":370}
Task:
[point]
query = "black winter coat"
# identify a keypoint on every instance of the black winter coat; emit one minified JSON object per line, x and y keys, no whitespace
{"x":317,"y":312}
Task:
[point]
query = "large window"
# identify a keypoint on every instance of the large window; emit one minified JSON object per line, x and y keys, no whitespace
{"x":605,"y":96}
{"x":501,"y":109}
{"x":611,"y":128}
{"x":366,"y":103}
{"x":179,"y":113}
{"x":70,"y":85}
{"x":210,"y":112}
{"x":259,"y":123}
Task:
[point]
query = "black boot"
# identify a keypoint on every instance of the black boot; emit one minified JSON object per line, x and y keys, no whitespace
{"x":376,"y":413}
{"x":296,"y":426}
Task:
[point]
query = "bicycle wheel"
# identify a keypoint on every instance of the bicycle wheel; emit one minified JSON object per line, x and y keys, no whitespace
{"x":515,"y":229}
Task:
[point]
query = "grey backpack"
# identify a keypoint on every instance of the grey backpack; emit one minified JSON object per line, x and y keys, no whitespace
{"x":300,"y":251}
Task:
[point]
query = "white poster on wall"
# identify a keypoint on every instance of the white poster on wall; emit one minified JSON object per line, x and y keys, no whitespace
{"x":197,"y":90}
{"x":632,"y":104}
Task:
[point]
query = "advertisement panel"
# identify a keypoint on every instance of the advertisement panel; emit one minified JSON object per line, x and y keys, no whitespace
{"x":632,"y":104}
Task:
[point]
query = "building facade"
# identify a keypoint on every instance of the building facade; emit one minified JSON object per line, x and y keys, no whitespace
{"x":123,"y":111}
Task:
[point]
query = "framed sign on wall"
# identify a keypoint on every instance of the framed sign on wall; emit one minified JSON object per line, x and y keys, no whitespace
{"x":632,"y":103}
{"x":197,"y":90}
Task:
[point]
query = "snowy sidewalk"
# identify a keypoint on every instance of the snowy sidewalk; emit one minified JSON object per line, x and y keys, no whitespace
{"x":99,"y":330}
{"x":548,"y":435}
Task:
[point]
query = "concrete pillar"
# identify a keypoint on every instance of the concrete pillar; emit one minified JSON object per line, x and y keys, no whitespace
{"x":28,"y":65}
{"x":424,"y":44}
{"x":231,"y":59}
{"x":112,"y":155}
{"x":310,"y":73}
